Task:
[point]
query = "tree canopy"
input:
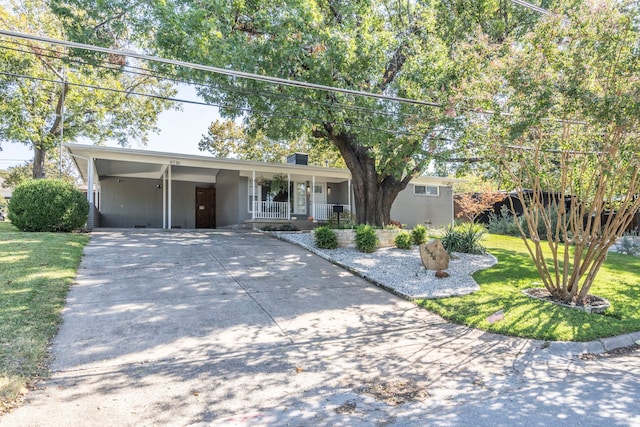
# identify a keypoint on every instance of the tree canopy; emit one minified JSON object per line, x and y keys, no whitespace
{"x":229,"y":140}
{"x":50,"y":94}
{"x":398,"y":49}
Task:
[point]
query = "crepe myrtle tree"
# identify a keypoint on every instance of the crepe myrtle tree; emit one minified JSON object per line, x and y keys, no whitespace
{"x":569,"y":143}
{"x":402,"y":49}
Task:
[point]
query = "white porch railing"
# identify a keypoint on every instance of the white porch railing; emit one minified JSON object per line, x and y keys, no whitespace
{"x":271,"y":210}
{"x":323,"y":211}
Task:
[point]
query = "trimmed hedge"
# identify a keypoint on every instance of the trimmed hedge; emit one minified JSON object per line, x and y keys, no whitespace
{"x":366,"y":238}
{"x":403,"y":240}
{"x":48,"y":205}
{"x":419,"y":234}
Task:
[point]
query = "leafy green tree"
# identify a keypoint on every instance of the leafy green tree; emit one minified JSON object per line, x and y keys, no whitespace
{"x":49,"y":94}
{"x":229,"y":140}
{"x":567,"y":131}
{"x":403,"y":49}
{"x":16,"y":175}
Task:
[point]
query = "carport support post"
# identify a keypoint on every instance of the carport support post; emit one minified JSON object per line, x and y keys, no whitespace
{"x":164,"y":199}
{"x":253,"y":195}
{"x":169,"y":196}
{"x":90,"y":171}
{"x":313,"y":198}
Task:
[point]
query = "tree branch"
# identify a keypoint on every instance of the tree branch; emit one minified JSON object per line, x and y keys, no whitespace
{"x":397,"y":61}
{"x":108,"y":20}
{"x":55,"y":127}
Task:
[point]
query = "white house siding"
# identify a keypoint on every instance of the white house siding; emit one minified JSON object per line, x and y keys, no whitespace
{"x":434,"y":211}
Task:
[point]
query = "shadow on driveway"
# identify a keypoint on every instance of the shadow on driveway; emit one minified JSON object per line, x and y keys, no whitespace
{"x":225,"y":328}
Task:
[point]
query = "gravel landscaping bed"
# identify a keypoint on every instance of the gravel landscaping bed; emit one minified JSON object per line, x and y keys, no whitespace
{"x":401,"y":270}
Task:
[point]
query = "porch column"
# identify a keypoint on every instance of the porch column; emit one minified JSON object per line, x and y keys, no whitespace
{"x":253,"y":195}
{"x":289,"y":196}
{"x":313,"y":198}
{"x":169,"y":196}
{"x":349,"y":195}
{"x":164,"y":199}
{"x":90,"y":173}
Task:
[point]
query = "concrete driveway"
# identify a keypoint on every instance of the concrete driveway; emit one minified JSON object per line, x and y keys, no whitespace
{"x":223,"y":328}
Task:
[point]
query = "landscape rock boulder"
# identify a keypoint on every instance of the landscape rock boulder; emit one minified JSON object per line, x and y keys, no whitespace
{"x":434,"y":256}
{"x":441,"y":274}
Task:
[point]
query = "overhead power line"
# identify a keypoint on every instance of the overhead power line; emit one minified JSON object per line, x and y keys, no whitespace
{"x":217,"y":70}
{"x":222,"y":106}
{"x":533,"y":7}
{"x":144,"y":72}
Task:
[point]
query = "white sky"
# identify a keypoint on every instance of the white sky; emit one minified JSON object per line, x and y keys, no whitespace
{"x":180,"y":132}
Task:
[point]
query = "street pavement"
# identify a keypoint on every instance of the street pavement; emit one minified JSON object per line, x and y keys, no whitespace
{"x":222,"y":328}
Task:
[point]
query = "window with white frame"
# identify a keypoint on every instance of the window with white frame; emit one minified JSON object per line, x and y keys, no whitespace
{"x":426,"y":190}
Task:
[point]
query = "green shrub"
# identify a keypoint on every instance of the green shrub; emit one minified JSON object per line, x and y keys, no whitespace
{"x":505,"y":223}
{"x":325,"y":238}
{"x":465,"y":238}
{"x":403,"y":240}
{"x":366,"y":238}
{"x":629,"y":243}
{"x":48,"y":205}
{"x":419,"y":234}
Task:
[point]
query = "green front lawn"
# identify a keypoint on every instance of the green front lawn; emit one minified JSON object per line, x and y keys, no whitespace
{"x":501,"y":285}
{"x":36,"y":270}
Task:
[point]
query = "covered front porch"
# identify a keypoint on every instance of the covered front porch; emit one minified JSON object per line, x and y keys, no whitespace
{"x":281,"y":197}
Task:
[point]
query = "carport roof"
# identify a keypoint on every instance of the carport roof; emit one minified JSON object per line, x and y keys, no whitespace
{"x":127,"y":162}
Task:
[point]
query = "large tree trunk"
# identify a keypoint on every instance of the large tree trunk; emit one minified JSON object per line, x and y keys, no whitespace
{"x":39,"y":157}
{"x":374,"y":194}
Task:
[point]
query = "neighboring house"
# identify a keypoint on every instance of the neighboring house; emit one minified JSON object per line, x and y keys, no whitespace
{"x":139,"y":188}
{"x":6,"y":193}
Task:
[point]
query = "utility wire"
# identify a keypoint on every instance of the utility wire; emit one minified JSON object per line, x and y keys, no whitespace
{"x":217,"y":70}
{"x":172,"y":78}
{"x":533,"y":7}
{"x":223,"y":106}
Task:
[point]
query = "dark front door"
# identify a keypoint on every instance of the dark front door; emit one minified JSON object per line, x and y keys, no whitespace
{"x":205,"y":208}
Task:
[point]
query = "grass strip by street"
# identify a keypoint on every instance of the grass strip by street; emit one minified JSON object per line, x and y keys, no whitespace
{"x":36,"y":270}
{"x":501,"y":286}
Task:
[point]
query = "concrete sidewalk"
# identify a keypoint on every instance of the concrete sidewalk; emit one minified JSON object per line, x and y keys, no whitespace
{"x":223,"y":328}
